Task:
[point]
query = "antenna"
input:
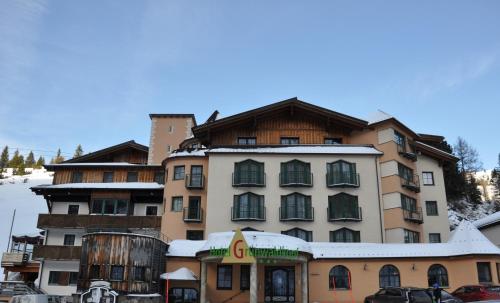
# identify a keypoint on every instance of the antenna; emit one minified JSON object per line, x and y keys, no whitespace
{"x":11,"y":225}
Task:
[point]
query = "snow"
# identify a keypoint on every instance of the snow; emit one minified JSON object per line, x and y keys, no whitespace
{"x":188,"y":153}
{"x":115,"y":185}
{"x":462,"y":210}
{"x":493,"y":218}
{"x":15,"y":194}
{"x":378,"y":116}
{"x":435,"y":149}
{"x":303,"y":149}
{"x":180,"y":274}
{"x":465,"y":240}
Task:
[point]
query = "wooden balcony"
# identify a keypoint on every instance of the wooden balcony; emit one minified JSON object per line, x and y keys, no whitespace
{"x":97,"y":221}
{"x":56,"y":252}
{"x":14,"y":258}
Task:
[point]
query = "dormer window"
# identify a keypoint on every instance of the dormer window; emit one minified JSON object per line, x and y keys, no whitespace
{"x":289,"y":140}
{"x":247,"y":141}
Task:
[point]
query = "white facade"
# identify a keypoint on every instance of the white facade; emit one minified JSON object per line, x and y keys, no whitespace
{"x":64,"y":266}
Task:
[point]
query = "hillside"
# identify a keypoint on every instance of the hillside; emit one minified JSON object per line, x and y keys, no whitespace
{"x":461,"y":210}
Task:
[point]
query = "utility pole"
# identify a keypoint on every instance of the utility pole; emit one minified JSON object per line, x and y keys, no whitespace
{"x":11,"y":225}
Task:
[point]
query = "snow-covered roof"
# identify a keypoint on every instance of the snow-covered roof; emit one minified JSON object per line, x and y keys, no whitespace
{"x":188,"y":153}
{"x":488,"y":220}
{"x":465,"y":240}
{"x":302,"y":149}
{"x":96,"y":164}
{"x":115,"y":185}
{"x":437,"y":150}
{"x":182,"y":273}
{"x":378,"y":116}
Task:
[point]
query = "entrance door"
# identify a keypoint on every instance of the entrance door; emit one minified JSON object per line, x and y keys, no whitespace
{"x":280,"y":284}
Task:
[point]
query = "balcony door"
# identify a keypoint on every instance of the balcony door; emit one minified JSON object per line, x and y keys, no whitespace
{"x":194,"y":207}
{"x":196,"y":175}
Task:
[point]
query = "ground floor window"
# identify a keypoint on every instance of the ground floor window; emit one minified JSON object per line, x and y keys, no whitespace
{"x":63,"y":278}
{"x":305,"y":235}
{"x":437,"y":273}
{"x":95,"y":272}
{"x":224,"y":277}
{"x":183,"y":295}
{"x":244,"y":277}
{"x":345,"y":235}
{"x":194,"y":234}
{"x":411,"y":236}
{"x":389,"y":276}
{"x":339,"y":278}
{"x":484,"y":272}
{"x":434,"y":238}
{"x":116,"y":273}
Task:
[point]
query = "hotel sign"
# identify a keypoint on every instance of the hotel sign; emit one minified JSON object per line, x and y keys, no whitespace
{"x":240,"y":253}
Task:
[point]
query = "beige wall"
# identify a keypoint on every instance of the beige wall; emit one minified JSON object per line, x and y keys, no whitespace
{"x":436,"y":192}
{"x":162,"y":140}
{"x":173,"y":225}
{"x":220,"y":195}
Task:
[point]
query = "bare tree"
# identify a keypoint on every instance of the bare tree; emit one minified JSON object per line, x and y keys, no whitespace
{"x":468,"y":157}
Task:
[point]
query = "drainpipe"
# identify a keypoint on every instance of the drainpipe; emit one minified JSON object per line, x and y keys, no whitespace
{"x":379,"y":202}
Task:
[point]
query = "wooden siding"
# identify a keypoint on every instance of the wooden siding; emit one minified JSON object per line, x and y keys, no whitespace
{"x":88,"y":221}
{"x":129,"y":251}
{"x":269,"y":130}
{"x":57,"y":252}
{"x":95,"y":175}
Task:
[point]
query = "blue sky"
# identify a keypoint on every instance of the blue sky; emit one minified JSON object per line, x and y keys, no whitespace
{"x":89,"y":72}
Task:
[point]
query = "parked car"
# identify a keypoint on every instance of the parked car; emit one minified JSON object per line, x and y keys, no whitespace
{"x":39,"y":298}
{"x":471,"y":293}
{"x":446,"y":297}
{"x":400,"y":295}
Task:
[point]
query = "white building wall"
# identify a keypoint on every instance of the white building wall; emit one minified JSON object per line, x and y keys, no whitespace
{"x":47,"y":266}
{"x":140,"y":208}
{"x":61,"y":208}
{"x":55,"y":236}
{"x":436,"y":192}
{"x":220,"y":195}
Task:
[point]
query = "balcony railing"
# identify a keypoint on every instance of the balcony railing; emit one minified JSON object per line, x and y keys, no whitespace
{"x":406,"y":152}
{"x":195,"y":181}
{"x":14,"y":258}
{"x":259,"y":215}
{"x":296,"y":179}
{"x":249,"y":180}
{"x":306,"y":215}
{"x":415,"y":216}
{"x":56,"y":252}
{"x":93,"y":221}
{"x":354,"y":215}
{"x":411,"y":182}
{"x":342,"y":179}
{"x":192,"y":214}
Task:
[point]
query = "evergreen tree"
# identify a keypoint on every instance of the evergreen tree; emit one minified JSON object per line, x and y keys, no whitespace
{"x":40,"y":162}
{"x":16,"y":160}
{"x":58,"y":158}
{"x":30,"y":160}
{"x":4,"y":158}
{"x":21,"y":169}
{"x":468,"y":164}
{"x":78,"y":151}
{"x":495,"y":178}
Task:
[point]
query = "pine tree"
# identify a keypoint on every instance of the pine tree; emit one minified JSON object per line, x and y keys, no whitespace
{"x":468,"y":164}
{"x":78,"y":151}
{"x":21,"y":169}
{"x":16,"y":160}
{"x":30,"y":160}
{"x":495,"y":178}
{"x":58,"y":159}
{"x":4,"y":158}
{"x":40,"y":162}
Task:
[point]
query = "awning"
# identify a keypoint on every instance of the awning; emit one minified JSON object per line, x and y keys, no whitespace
{"x":180,"y":274}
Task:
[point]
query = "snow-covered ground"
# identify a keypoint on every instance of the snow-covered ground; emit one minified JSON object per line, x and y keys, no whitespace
{"x":472,"y":213}
{"x":15,"y":194}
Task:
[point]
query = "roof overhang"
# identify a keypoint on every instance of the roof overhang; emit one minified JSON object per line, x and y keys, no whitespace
{"x":434,"y":152}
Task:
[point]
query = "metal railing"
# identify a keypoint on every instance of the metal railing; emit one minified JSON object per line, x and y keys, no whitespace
{"x":354,"y":215}
{"x":195,"y":181}
{"x":342,"y":179}
{"x":406,"y":152}
{"x":414,"y":215}
{"x":296,"y":179}
{"x":411,"y":182}
{"x":258,"y":215}
{"x":249,"y":180}
{"x":192,"y":214}
{"x":305,"y":215}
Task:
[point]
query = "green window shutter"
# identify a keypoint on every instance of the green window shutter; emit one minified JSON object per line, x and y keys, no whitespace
{"x":307,"y":173}
{"x":237,"y":173}
{"x":236,"y":207}
{"x":260,"y":173}
{"x":308,"y":210}
{"x":356,"y":236}
{"x":330,"y":207}
{"x":284,"y":209}
{"x":284,"y":173}
{"x":261,"y":207}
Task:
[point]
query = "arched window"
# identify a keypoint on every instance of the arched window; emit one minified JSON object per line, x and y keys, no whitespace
{"x":339,"y":277}
{"x":295,"y":173}
{"x":341,"y":173}
{"x":345,"y":235}
{"x":248,"y":206}
{"x":343,"y":207}
{"x":389,"y":276}
{"x":437,"y":273}
{"x":296,"y":207}
{"x":300,"y":233}
{"x":248,"y":173}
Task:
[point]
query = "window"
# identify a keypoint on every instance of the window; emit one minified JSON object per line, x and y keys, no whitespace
{"x":151,"y":210}
{"x":109,"y":207}
{"x":73,"y":278}
{"x":431,"y":208}
{"x":170,"y":129}
{"x":400,"y":140}
{"x":437,"y":273}
{"x":69,"y":240}
{"x":177,"y":204}
{"x":194,"y":234}
{"x":107,"y":177}
{"x":248,"y":173}
{"x":333,"y":140}
{"x":183,"y":295}
{"x":343,"y":207}
{"x":408,"y":203}
{"x":305,"y":235}
{"x":77,"y":177}
{"x":248,"y":206}
{"x":116,"y":273}
{"x":179,"y":172}
{"x":405,"y":172}
{"x":73,"y":209}
{"x":194,"y":209}
{"x":339,"y":278}
{"x":341,"y":173}
{"x":289,"y":140}
{"x":434,"y":238}
{"x":196,"y":177}
{"x":428,"y":177}
{"x":132,"y":176}
{"x":95,"y":272}
{"x":247,"y":141}
{"x":484,"y":272}
{"x":411,"y":236}
{"x":139,"y":273}
{"x":296,"y":207}
{"x":244,"y":277}
{"x":159,"y":177}
{"x":498,"y":271}
{"x":58,"y":278}
{"x":389,"y":276}
{"x":345,"y":235}
{"x":295,"y":172}
{"x":224,"y":277}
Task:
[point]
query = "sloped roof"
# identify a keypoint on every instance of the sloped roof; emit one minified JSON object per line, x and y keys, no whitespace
{"x":380,"y":117}
{"x":488,"y":220}
{"x":182,"y":274}
{"x":340,"y":149}
{"x":94,"y":155}
{"x":113,"y":185}
{"x":434,"y":152}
